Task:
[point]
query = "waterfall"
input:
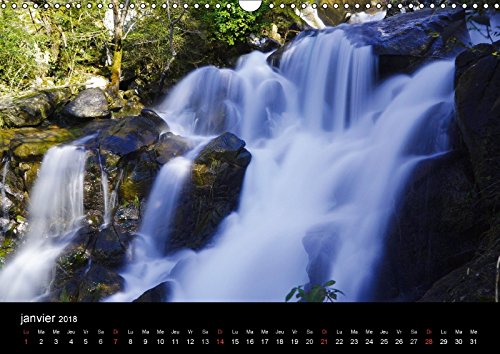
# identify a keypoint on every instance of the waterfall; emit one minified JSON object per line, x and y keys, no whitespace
{"x":331,"y":153}
{"x":108,"y":202}
{"x":149,"y":266}
{"x":5,"y":202}
{"x":55,"y":215}
{"x":332,"y":149}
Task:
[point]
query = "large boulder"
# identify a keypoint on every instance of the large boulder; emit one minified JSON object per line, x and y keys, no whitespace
{"x":87,"y":269}
{"x":436,"y":229}
{"x":32,"y":109}
{"x":159,"y":293}
{"x":444,"y":244}
{"x":403,"y":42}
{"x":477,"y":98}
{"x":211,"y":193}
{"x":89,"y":104}
{"x":475,"y":280}
{"x":132,"y":133}
{"x":477,"y":83}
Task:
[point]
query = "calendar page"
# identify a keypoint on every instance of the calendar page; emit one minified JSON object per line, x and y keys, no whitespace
{"x":223,"y":174}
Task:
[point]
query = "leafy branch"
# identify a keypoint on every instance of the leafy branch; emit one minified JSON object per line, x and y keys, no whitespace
{"x":317,"y":293}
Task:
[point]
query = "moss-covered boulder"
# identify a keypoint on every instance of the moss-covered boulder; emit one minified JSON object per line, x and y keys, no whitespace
{"x":212,"y":192}
{"x":98,"y":283}
{"x":32,"y":109}
{"x":87,"y":269}
{"x":30,"y":144}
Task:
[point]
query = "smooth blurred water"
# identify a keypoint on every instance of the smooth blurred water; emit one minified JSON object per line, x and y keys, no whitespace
{"x":149,"y":266}
{"x":5,"y":215}
{"x":55,"y":214}
{"x":331,"y":153}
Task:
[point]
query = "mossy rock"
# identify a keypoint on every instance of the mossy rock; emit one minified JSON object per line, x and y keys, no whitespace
{"x":108,"y":249}
{"x":334,"y":16}
{"x":211,"y":194}
{"x":6,"y":247}
{"x":140,"y":171}
{"x":31,"y":174}
{"x":98,"y":283}
{"x":30,"y":144}
{"x":169,"y":146}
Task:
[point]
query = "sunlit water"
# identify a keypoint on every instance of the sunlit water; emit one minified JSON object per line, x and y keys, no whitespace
{"x":331,"y":153}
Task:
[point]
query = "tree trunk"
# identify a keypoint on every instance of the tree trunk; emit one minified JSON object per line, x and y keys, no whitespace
{"x":119,"y":17}
{"x":116,"y":66}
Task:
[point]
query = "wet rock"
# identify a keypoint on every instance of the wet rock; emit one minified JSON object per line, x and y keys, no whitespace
{"x":31,"y":110}
{"x":139,"y":175}
{"x":403,"y":42}
{"x":170,"y":146}
{"x":211,"y":194}
{"x":89,"y":104}
{"x":436,"y":229}
{"x":477,"y":83}
{"x":132,"y":133}
{"x":159,"y":293}
{"x":475,"y":280}
{"x":98,"y":283}
{"x":109,"y":250}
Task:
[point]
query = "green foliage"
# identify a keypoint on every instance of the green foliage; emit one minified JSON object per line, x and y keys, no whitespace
{"x":317,"y":293}
{"x":42,"y":48}
{"x":22,"y":53}
{"x":231,"y":24}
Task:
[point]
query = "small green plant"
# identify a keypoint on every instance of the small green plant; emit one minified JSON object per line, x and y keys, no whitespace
{"x":317,"y":293}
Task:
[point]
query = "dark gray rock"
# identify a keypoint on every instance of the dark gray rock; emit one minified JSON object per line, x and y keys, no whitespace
{"x":477,"y":98}
{"x":404,"y":42}
{"x":477,"y":84}
{"x":132,"y":133}
{"x":436,"y":229}
{"x":31,"y":110}
{"x":159,"y":293}
{"x":170,"y":146}
{"x":89,"y":104}
{"x":98,"y":283}
{"x":109,"y":249}
{"x":212,"y":192}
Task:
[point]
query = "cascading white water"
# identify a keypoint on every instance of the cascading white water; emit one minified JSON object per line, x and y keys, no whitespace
{"x":108,"y":202}
{"x":149,"y":266}
{"x":55,"y":213}
{"x":5,"y":202}
{"x":331,"y":153}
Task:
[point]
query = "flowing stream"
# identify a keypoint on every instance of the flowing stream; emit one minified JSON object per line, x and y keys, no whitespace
{"x":332,"y":150}
{"x":55,"y":214}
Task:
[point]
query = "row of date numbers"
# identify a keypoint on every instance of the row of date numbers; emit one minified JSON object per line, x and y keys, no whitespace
{"x":264,"y":341}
